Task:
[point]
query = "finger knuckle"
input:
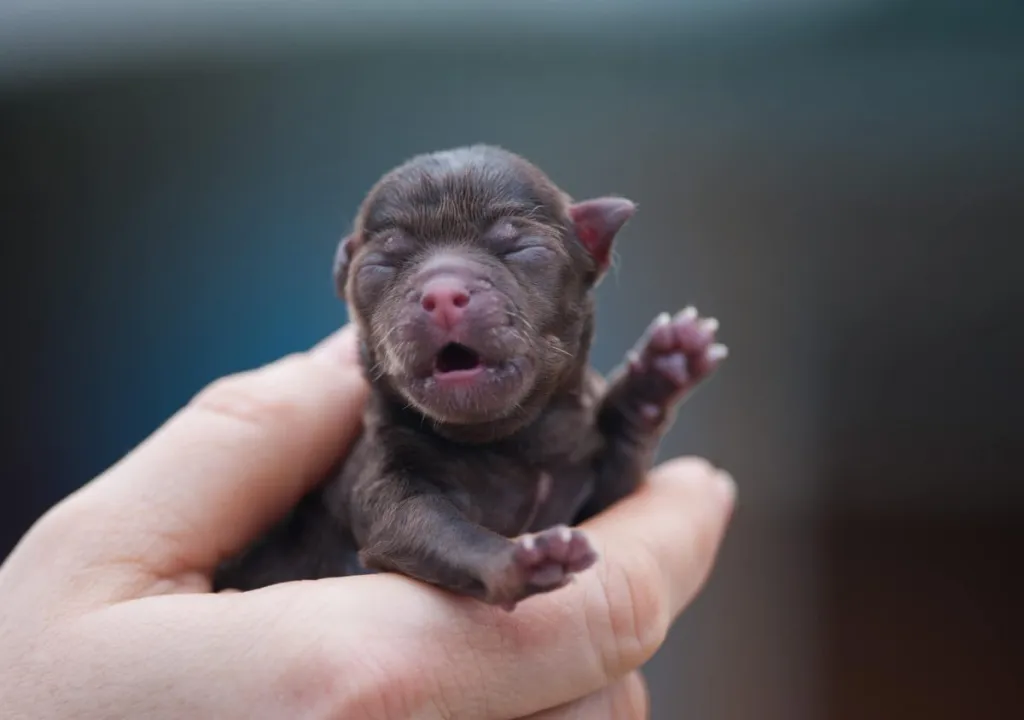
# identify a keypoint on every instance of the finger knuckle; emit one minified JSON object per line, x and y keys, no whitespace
{"x":635,"y":702}
{"x":251,"y":398}
{"x":637,"y":613}
{"x":325,"y":682}
{"x":68,"y":514}
{"x":73,"y":516}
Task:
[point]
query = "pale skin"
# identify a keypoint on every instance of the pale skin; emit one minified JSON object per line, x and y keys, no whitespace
{"x":106,"y":609}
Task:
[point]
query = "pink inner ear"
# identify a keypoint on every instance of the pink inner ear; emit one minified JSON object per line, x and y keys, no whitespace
{"x":597,"y":223}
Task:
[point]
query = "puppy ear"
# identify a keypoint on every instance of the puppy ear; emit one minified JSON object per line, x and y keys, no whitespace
{"x":597,"y":222}
{"x":342,"y":259}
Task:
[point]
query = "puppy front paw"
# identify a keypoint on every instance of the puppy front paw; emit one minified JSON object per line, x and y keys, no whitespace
{"x":674,"y":355}
{"x":539,"y":563}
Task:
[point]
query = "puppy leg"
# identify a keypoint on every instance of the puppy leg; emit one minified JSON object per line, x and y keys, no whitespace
{"x":425,"y":536}
{"x":673,"y":357}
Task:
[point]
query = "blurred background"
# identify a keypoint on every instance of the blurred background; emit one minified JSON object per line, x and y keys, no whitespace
{"x":838,"y":181}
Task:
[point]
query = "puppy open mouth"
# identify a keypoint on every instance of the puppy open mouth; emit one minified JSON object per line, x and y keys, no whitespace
{"x":456,"y":359}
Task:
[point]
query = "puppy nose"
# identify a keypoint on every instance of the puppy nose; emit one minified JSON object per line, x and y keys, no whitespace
{"x":445,"y":298}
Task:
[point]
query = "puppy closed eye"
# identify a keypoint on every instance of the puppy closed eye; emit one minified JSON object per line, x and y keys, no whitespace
{"x":374,"y":274}
{"x":511,"y":241}
{"x":528,"y":253}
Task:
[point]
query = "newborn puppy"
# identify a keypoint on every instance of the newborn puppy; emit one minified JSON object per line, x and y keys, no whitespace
{"x":469,"y":275}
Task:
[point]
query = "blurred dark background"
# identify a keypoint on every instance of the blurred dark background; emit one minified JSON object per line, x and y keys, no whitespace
{"x":839,"y":181}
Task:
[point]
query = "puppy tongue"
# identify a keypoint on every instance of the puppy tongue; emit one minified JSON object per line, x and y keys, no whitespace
{"x":454,"y":357}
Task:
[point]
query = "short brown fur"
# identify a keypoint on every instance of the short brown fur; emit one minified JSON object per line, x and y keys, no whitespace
{"x":472,"y":489}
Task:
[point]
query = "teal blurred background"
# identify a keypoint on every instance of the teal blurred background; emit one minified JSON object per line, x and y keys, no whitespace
{"x":839,"y":182}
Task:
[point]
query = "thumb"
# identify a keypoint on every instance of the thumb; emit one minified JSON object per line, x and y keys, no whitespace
{"x":222,"y":469}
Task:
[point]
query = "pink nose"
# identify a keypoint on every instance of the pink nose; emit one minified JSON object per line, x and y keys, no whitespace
{"x":445,"y":299}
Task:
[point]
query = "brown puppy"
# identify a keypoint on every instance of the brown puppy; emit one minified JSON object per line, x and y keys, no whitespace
{"x":469,"y":275}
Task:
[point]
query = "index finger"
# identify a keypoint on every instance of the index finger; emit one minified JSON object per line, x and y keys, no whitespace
{"x":657,"y":548}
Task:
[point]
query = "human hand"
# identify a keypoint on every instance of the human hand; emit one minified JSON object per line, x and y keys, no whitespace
{"x":106,"y":609}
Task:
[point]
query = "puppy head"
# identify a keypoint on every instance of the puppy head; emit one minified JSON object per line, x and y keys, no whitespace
{"x":469,"y":274}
